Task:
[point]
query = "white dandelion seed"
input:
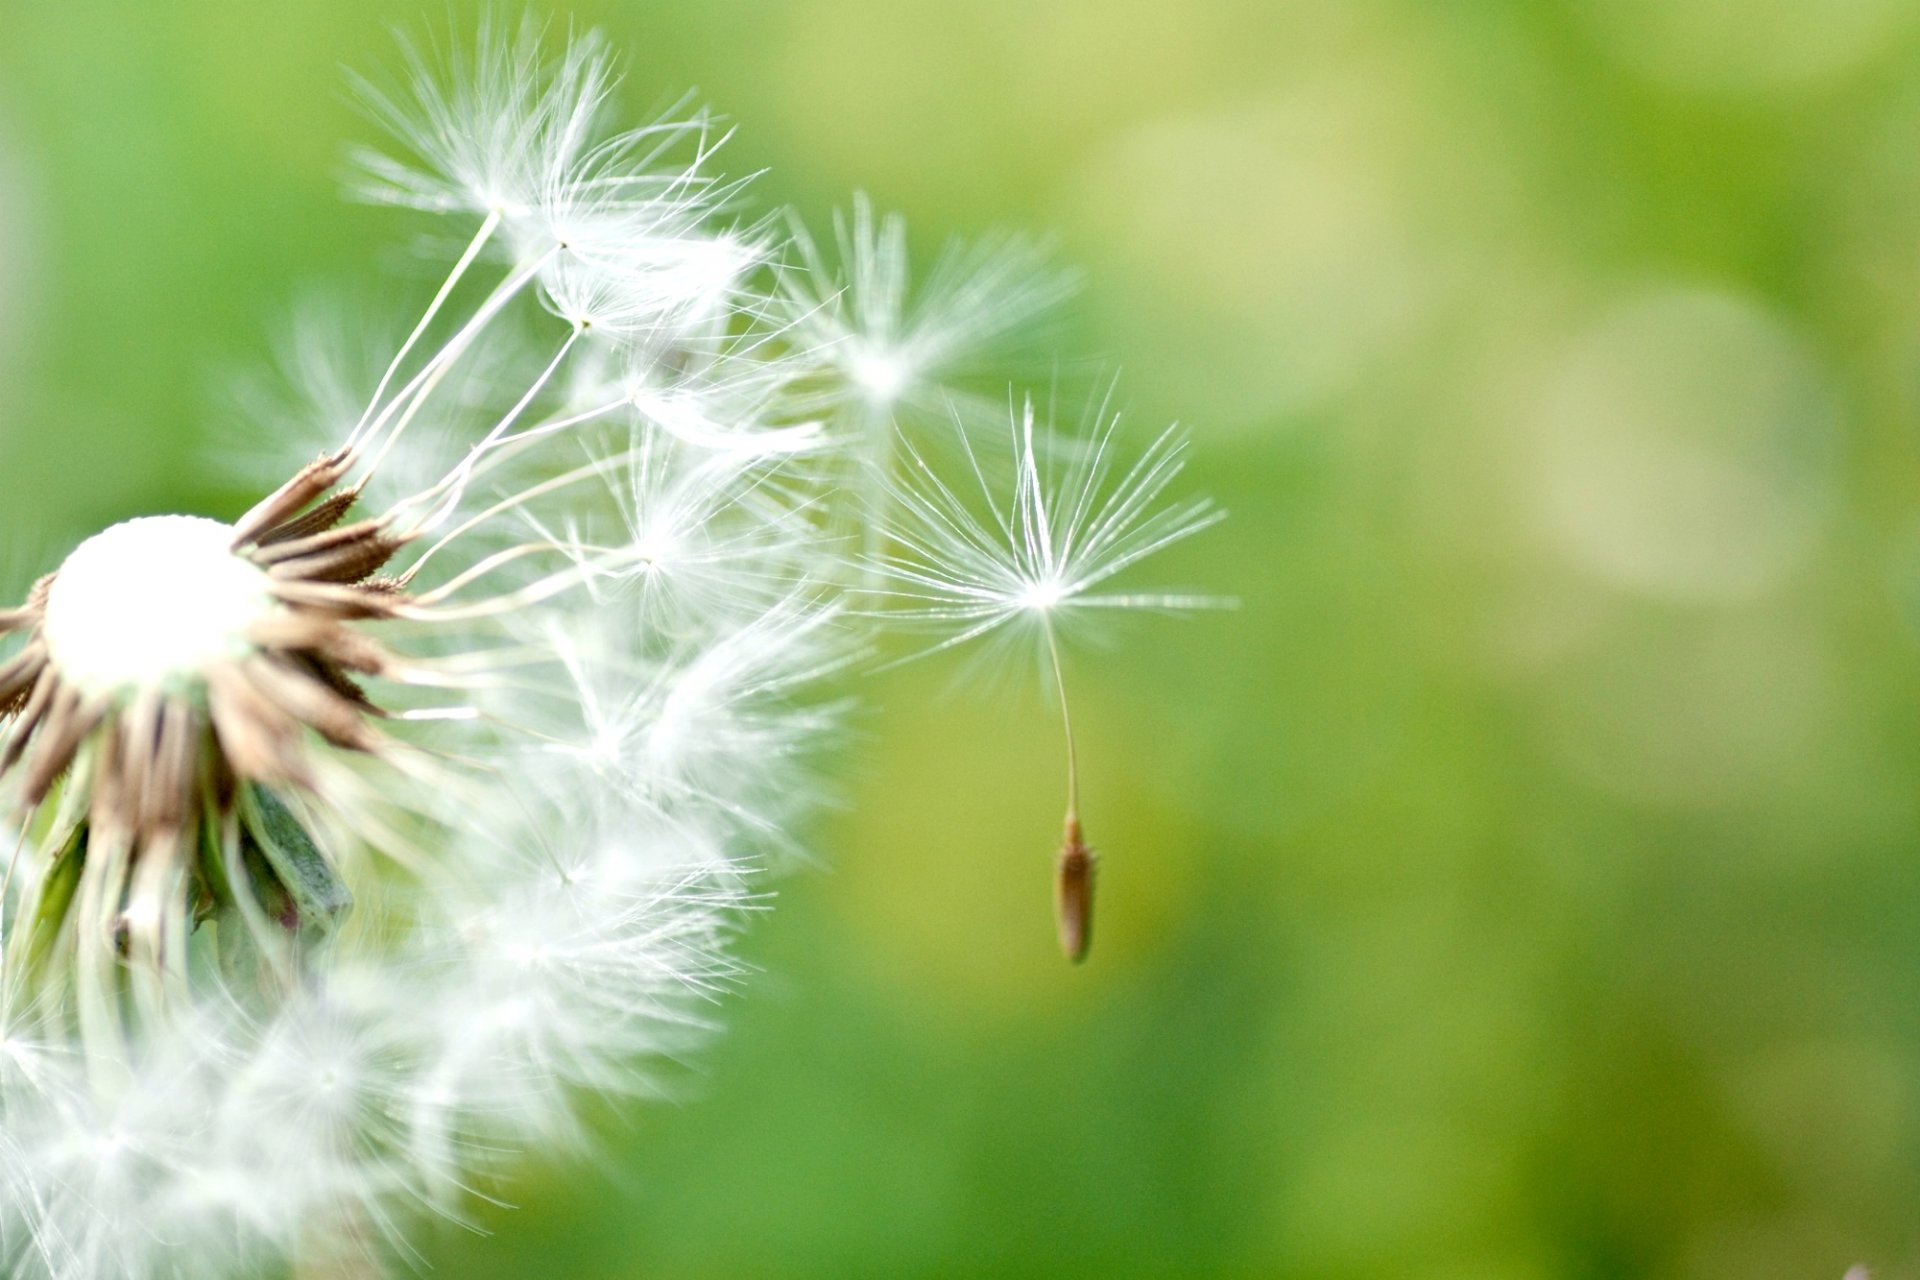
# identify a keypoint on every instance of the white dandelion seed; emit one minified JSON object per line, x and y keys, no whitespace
{"x":976,"y":560}
{"x":900,"y":352}
{"x":352,"y":841}
{"x":894,"y":344}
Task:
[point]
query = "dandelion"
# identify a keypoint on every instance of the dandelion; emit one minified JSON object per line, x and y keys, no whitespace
{"x":1037,"y":560}
{"x":354,"y":839}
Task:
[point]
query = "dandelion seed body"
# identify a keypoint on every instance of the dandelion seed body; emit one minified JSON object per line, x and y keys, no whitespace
{"x":1073,"y":893}
{"x":973,"y":566}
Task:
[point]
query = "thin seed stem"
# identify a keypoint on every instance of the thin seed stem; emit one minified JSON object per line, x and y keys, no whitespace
{"x":452,"y":487}
{"x":487,"y":229}
{"x":1066,"y":723}
{"x":7,"y":883}
{"x":516,"y":499}
{"x":7,"y":944}
{"x":877,"y":425}
{"x":435,"y":367}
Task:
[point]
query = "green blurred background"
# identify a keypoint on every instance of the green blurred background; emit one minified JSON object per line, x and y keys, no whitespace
{"x":1524,"y":882}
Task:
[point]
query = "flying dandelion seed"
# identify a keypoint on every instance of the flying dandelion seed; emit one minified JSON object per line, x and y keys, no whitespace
{"x":352,"y":840}
{"x":1035,"y":557}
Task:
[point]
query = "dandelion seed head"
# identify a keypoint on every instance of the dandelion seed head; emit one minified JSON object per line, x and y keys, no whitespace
{"x":363,"y":835}
{"x":895,"y":343}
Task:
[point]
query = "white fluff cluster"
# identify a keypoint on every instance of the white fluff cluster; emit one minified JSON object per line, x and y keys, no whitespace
{"x":626,"y":442}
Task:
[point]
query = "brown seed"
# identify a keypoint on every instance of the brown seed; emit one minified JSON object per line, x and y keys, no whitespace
{"x":286,"y":502}
{"x":322,"y":638}
{"x":70,"y":718}
{"x":131,"y":762}
{"x":258,"y":740}
{"x":317,"y":519}
{"x":371,"y":599}
{"x":32,"y":712}
{"x":329,"y":539}
{"x":176,"y":751}
{"x":1073,"y":893}
{"x":18,"y":673}
{"x":308,"y":701}
{"x":348,"y":562}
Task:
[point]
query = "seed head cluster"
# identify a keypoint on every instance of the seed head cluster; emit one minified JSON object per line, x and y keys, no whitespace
{"x":355,"y":840}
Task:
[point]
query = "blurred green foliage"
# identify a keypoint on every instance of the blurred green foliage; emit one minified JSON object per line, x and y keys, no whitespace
{"x":1524,"y":882}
